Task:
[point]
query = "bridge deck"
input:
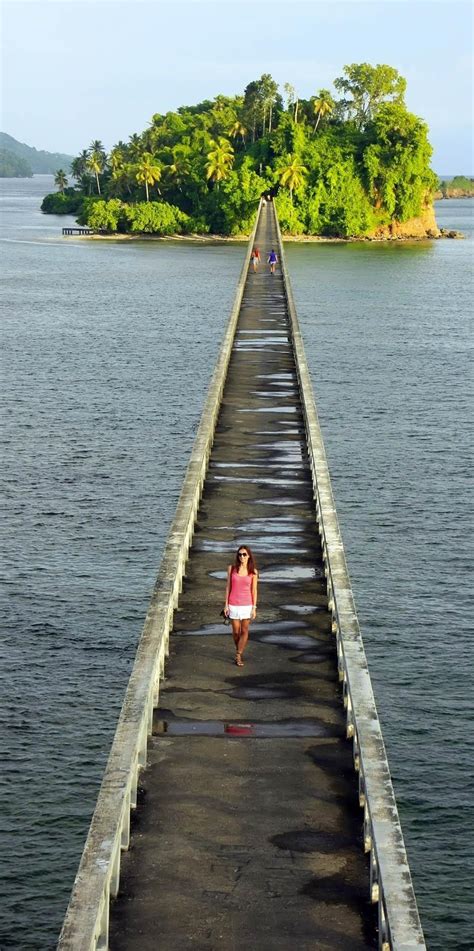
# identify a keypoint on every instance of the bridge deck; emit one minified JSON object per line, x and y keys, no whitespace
{"x":248,"y":830}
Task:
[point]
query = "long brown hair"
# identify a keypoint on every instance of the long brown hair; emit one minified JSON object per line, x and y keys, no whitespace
{"x":251,"y":563}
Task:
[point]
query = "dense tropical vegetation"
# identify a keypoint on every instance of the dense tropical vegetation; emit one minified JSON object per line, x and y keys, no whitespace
{"x":336,"y":166}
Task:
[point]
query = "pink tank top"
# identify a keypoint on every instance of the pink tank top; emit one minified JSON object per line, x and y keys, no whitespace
{"x":240,"y":589}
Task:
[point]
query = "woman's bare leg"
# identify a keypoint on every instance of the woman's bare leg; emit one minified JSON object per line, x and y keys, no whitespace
{"x":244,"y":636}
{"x":236,"y":632}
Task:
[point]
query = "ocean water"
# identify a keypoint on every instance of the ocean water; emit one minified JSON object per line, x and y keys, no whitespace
{"x":108,"y":348}
{"x":388,"y":336}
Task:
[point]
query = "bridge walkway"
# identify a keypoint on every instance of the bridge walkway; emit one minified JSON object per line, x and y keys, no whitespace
{"x":248,"y":831}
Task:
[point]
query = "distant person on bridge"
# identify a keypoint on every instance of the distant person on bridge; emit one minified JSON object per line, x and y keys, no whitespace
{"x":272,"y":260}
{"x":255,"y":256}
{"x":241,"y":598}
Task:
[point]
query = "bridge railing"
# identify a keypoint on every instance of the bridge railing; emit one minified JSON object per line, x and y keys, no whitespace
{"x":390,"y":879}
{"x":86,"y":924}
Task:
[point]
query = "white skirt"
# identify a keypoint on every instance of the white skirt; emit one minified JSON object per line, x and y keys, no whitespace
{"x":240,"y":612}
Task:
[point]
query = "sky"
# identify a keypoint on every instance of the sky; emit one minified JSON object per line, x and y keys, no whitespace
{"x":78,"y":70}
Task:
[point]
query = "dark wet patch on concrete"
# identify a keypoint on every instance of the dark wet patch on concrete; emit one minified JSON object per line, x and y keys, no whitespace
{"x":256,"y":628}
{"x":209,"y":630}
{"x":284,"y":686}
{"x":349,"y":889}
{"x":285,"y":446}
{"x":312,"y":840}
{"x":286,"y":574}
{"x":281,"y":379}
{"x":304,"y":609}
{"x":338,"y":890}
{"x":289,"y":641}
{"x":262,"y":693}
{"x":311,"y":657}
{"x":329,"y":757}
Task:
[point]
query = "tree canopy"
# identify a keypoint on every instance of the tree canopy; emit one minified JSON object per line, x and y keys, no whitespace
{"x":335,"y":166}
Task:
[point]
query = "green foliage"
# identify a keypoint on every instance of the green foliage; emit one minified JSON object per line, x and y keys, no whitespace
{"x":341,"y":203}
{"x":68,"y":202}
{"x":106,"y":215}
{"x":398,"y":175}
{"x":290,"y":215}
{"x":338,"y":167}
{"x":156,"y":217}
{"x":368,"y":87}
{"x":60,"y":180}
{"x":323,"y":106}
{"x":463,"y":183}
{"x":232,"y":210}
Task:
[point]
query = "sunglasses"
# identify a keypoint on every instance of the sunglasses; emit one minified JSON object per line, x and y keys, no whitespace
{"x":243,"y":554}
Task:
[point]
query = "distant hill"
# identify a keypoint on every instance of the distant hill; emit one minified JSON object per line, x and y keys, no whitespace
{"x":13,"y":166}
{"x":40,"y":162}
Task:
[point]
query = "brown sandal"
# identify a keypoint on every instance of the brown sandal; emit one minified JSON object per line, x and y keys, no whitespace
{"x":238,"y":659}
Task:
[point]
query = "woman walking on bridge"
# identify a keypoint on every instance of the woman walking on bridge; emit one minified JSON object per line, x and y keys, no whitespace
{"x":255,"y":256}
{"x":241,"y":598}
{"x":272,"y":260}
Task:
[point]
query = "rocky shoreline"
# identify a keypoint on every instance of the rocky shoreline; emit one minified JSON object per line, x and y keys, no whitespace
{"x":293,"y":238}
{"x":453,"y":193}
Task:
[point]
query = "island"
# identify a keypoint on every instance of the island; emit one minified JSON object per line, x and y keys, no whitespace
{"x":349,"y":166}
{"x":459,"y":186}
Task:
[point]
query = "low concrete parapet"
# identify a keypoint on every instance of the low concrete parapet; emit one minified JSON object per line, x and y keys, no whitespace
{"x":390,"y":879}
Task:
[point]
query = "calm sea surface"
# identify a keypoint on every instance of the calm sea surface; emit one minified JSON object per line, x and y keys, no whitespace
{"x":108,"y":348}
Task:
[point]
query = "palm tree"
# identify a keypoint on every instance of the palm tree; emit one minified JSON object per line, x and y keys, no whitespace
{"x":119,"y":171}
{"x":323,"y":105}
{"x":95,"y":163}
{"x":238,"y":129}
{"x":292,"y":97}
{"x":122,"y":178}
{"x":116,"y":158}
{"x":135,"y":144}
{"x":96,"y":146}
{"x":178,"y":169}
{"x":220,"y":160}
{"x":292,"y":174}
{"x":60,"y":179}
{"x":148,"y":172}
{"x":79,"y":165}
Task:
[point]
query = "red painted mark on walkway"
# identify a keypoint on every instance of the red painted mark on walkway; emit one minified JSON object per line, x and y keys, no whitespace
{"x":239,"y":729}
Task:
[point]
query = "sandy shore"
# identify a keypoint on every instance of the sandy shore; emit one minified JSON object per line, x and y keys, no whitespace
{"x":221,"y":239}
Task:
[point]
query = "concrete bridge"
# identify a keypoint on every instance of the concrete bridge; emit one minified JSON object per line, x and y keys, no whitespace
{"x":263,"y":814}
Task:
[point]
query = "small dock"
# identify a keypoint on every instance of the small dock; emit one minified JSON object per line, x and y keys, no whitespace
{"x":263,"y":814}
{"x":79,"y":231}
